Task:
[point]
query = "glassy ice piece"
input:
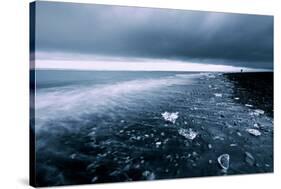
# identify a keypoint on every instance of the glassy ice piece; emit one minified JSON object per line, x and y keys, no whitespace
{"x":249,"y":158}
{"x":249,"y":105}
{"x":254,"y":132}
{"x":171,"y":117}
{"x":223,"y":160}
{"x":258,"y":111}
{"x":188,"y":133}
{"x":218,"y":95}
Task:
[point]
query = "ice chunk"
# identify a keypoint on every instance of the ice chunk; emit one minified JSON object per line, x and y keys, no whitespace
{"x":258,"y":111}
{"x":94,"y":179}
{"x":171,"y":117}
{"x":211,"y":76}
{"x":218,"y":138}
{"x":223,"y":161}
{"x":254,"y":132}
{"x":249,"y":105}
{"x":236,"y":98}
{"x":158,"y":144}
{"x":188,"y":133}
{"x":72,"y":156}
{"x":249,"y":158}
{"x":239,"y":134}
{"x":256,"y":125}
{"x":218,"y":95}
{"x":148,"y":175}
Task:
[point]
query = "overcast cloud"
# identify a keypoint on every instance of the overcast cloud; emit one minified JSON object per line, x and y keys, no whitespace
{"x":130,"y":32}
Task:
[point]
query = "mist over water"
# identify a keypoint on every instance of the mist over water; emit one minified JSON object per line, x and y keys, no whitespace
{"x":62,"y":95}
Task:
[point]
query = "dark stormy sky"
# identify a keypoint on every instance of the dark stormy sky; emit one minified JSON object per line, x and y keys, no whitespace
{"x":130,"y":32}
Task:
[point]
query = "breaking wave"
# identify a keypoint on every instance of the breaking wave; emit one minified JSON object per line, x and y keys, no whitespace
{"x":58,"y":103}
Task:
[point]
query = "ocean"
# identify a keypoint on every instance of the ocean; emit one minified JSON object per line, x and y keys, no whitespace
{"x":112,"y":126}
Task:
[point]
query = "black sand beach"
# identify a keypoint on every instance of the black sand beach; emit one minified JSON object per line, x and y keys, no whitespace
{"x":255,"y":88}
{"x":215,"y":114}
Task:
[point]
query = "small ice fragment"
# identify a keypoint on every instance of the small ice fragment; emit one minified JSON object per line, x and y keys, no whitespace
{"x":249,"y":158}
{"x":239,"y":134}
{"x":92,"y":134}
{"x":223,"y":161}
{"x":232,"y":145}
{"x":256,"y":125}
{"x":218,"y":138}
{"x":211,"y":76}
{"x":248,"y":105}
{"x":122,"y":121}
{"x":218,"y":95}
{"x":267,"y":165}
{"x":188,"y":133}
{"x":254,"y":132}
{"x":148,"y":175}
{"x":194,"y":154}
{"x":114,"y":173}
{"x":236,"y":98}
{"x":94,"y":179}
{"x":166,"y":140}
{"x":72,"y":156}
{"x":158,"y":144}
{"x":146,"y":135}
{"x":210,"y":161}
{"x":151,"y":176}
{"x":171,"y":117}
{"x":210,"y":146}
{"x":259,"y":112}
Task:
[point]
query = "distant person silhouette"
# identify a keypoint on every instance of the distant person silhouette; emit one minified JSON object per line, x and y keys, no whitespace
{"x":241,"y":70}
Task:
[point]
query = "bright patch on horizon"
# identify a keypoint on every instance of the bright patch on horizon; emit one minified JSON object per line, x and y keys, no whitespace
{"x":145,"y":65}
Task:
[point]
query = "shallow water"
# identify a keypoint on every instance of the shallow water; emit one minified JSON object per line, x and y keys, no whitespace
{"x":108,"y":127}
